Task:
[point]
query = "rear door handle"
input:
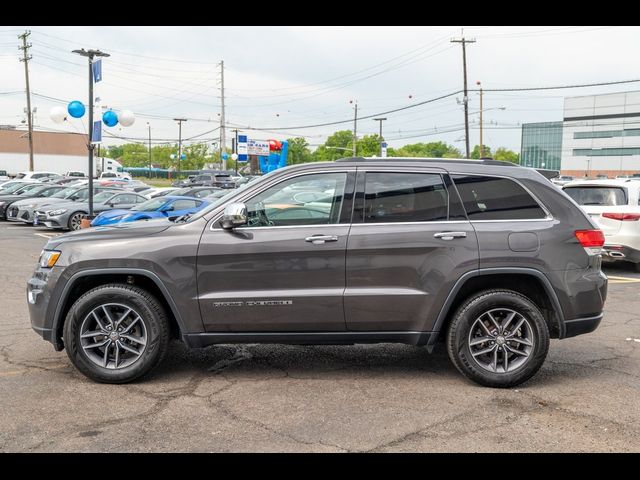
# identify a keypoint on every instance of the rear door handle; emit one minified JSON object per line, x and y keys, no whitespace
{"x":450,"y":235}
{"x":320,"y":239}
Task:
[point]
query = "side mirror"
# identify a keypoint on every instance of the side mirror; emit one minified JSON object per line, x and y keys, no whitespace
{"x":235,"y":215}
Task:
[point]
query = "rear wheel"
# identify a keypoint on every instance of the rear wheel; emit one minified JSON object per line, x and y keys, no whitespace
{"x":116,"y":333}
{"x":498,"y":338}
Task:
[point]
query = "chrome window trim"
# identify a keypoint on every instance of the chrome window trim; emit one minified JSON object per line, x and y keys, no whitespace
{"x":248,"y":195}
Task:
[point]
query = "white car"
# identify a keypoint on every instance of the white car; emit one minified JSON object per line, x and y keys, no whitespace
{"x":614,"y":206}
{"x":120,"y":175}
{"x":562,"y":180}
{"x":33,"y":176}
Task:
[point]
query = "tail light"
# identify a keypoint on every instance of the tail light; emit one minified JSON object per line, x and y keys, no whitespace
{"x":623,"y":217}
{"x":591,"y":240}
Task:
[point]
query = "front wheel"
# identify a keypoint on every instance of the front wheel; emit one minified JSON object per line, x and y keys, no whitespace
{"x":75,"y":221}
{"x":116,"y":333}
{"x":498,"y":338}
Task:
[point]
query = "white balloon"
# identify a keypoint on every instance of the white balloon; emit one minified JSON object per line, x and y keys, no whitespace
{"x":58,"y":114}
{"x":126,"y":118}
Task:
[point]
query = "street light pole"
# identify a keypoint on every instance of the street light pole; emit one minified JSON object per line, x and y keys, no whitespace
{"x":90,"y":54}
{"x":380,"y":120}
{"x":179,"y":120}
{"x":355,"y":129}
{"x":481,"y":144}
{"x":149,"y":125}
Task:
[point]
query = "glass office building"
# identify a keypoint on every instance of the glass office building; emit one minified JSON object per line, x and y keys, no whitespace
{"x":541,"y":145}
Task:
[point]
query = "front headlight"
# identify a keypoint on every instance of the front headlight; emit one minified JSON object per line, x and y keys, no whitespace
{"x":48,"y":258}
{"x":53,"y":213}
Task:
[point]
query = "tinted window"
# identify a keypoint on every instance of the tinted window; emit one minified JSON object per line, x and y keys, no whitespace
{"x":492,"y":198}
{"x":184,"y":204}
{"x":124,"y":199}
{"x":404,"y":197}
{"x":305,"y":200}
{"x":605,"y":196}
{"x":203,"y":193}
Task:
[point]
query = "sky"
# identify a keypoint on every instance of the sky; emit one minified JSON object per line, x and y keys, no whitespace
{"x":277,"y":79}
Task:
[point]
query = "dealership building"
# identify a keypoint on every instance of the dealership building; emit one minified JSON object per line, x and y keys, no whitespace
{"x":599,"y":134}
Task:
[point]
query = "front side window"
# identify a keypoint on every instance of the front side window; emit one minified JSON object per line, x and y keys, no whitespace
{"x":305,"y":200}
{"x":404,"y":197}
{"x":495,"y":198}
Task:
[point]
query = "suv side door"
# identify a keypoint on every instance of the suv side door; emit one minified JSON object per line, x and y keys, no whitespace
{"x":285,"y":270}
{"x":409,"y":243}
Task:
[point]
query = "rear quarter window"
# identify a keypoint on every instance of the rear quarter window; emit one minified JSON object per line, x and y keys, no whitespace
{"x":496,"y":198}
{"x":597,"y":196}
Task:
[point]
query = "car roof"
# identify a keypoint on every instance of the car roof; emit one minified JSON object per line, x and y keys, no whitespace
{"x":602,"y":182}
{"x":178,"y":197}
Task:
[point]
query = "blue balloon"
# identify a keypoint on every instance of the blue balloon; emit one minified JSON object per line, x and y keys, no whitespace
{"x":76,"y":109}
{"x":110,"y":118}
{"x":225,"y":155}
{"x":183,"y":157}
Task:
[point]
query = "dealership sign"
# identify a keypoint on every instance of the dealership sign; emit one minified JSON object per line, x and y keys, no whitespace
{"x":258,"y":147}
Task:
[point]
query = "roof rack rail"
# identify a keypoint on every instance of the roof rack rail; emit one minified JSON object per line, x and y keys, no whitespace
{"x":482,"y":161}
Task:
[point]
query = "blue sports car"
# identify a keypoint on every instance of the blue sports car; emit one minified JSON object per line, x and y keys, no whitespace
{"x":162,"y":207}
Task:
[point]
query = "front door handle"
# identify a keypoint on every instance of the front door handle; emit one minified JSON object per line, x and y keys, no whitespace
{"x":320,"y":239}
{"x":450,"y":235}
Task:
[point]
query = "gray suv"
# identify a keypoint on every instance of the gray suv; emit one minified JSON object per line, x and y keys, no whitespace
{"x":488,"y":257}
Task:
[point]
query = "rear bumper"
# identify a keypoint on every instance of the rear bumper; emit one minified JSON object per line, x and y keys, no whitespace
{"x":612,"y":253}
{"x":579,"y":326}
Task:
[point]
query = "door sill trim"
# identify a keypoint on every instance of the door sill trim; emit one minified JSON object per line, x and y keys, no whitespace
{"x":200,"y":340}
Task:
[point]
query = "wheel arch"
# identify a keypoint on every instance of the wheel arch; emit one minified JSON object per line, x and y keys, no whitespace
{"x":528,"y":281}
{"x":85,"y":280}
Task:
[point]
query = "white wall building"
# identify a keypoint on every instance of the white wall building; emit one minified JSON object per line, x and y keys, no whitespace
{"x":601,"y":134}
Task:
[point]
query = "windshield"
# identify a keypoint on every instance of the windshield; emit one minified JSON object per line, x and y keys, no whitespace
{"x":27,"y":188}
{"x":150,"y":205}
{"x":603,"y":196}
{"x":12,"y":188}
{"x":38,"y":189}
{"x":65,"y":192}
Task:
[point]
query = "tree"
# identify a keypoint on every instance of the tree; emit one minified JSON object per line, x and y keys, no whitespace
{"x":506,"y":155}
{"x":337,"y":146}
{"x":134,"y":155}
{"x":299,"y":151}
{"x":476,"y":151}
{"x":432,"y":149}
{"x":369,"y":145}
{"x":114,"y":151}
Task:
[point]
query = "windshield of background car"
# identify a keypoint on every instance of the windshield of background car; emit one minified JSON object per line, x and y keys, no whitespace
{"x":12,"y":188}
{"x":604,"y":196}
{"x":65,"y":192}
{"x":150,"y":205}
{"x":103,"y":196}
{"x":26,"y":188}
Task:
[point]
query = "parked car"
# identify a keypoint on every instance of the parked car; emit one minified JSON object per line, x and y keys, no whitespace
{"x":75,"y":173}
{"x":562,"y":180}
{"x":68,"y":215}
{"x":15,"y":185}
{"x":37,"y":175}
{"x":3,"y":176}
{"x":483,"y":255}
{"x":121,"y":175}
{"x":196,"y":192}
{"x":602,"y":176}
{"x":154,"y":192}
{"x":623,"y":177}
{"x":220,"y":180}
{"x":27,"y":208}
{"x":614,"y":205}
{"x":7,"y":210}
{"x":162,"y":207}
{"x":184,"y":182}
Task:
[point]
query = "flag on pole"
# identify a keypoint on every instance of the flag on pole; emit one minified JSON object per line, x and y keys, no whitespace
{"x":96,"y":135}
{"x":97,"y":70}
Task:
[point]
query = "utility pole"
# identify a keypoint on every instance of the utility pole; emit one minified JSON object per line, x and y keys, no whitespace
{"x":179,"y":120}
{"x":355,"y":129}
{"x":149,"y":125}
{"x":380,"y":120}
{"x":235,"y":148}
{"x":25,"y":47}
{"x":481,"y":143}
{"x":90,"y":54}
{"x":464,"y":42}
{"x":223,"y":137}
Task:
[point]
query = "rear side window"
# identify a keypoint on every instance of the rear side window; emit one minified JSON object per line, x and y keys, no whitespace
{"x":404,"y":197}
{"x":494,"y":198}
{"x":605,"y":196}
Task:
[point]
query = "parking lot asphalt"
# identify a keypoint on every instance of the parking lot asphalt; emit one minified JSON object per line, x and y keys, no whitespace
{"x":380,"y":398}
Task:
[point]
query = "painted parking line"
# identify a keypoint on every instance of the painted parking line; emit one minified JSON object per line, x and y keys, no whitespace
{"x":614,"y":279}
{"x":47,"y":235}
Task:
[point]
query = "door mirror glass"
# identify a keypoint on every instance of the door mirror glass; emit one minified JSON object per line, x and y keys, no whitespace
{"x":235,"y":215}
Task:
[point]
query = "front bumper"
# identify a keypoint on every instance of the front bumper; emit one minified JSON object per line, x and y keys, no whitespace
{"x":40,"y":288}
{"x":42,"y":218}
{"x":14,"y":214}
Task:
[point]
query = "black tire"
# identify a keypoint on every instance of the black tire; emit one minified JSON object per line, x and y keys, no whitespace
{"x":636,"y":267}
{"x":74,"y":221}
{"x":459,"y":335}
{"x":151,"y":314}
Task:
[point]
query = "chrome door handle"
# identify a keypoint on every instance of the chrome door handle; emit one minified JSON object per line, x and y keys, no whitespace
{"x":450,"y":235}
{"x":320,"y":239}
